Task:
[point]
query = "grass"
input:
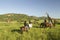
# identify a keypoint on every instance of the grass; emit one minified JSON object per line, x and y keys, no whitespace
{"x":33,"y":34}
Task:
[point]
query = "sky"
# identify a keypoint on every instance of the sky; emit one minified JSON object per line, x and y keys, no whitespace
{"x":31,"y":7}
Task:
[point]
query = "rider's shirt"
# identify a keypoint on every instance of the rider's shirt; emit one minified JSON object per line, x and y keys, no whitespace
{"x":30,"y":25}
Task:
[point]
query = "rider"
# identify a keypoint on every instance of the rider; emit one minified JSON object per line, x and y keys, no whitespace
{"x":25,"y":25}
{"x":49,"y":19}
{"x":30,"y":24}
{"x":45,"y":22}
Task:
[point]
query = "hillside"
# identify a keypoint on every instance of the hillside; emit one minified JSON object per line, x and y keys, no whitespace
{"x":17,"y":17}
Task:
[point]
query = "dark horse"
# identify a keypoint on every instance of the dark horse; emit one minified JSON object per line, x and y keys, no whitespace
{"x":43,"y":25}
{"x":23,"y":28}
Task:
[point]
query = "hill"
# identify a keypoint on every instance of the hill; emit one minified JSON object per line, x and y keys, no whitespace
{"x":19,"y":17}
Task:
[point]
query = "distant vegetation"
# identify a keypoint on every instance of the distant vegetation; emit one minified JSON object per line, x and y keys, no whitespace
{"x":18,"y":17}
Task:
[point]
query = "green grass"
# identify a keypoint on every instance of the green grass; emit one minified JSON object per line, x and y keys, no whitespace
{"x":33,"y":34}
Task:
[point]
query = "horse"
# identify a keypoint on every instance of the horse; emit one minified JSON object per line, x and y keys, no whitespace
{"x":46,"y":25}
{"x":24,"y":28}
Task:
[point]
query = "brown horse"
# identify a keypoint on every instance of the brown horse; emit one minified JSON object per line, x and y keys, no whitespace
{"x":23,"y":28}
{"x":49,"y":25}
{"x":46,"y":25}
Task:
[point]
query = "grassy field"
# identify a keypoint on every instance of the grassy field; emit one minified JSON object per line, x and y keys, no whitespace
{"x":34,"y":33}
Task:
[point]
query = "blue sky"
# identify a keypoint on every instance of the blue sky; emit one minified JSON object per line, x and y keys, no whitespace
{"x":31,"y":7}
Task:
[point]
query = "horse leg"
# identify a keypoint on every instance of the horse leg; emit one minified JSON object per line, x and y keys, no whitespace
{"x":26,"y":30}
{"x":45,"y":25}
